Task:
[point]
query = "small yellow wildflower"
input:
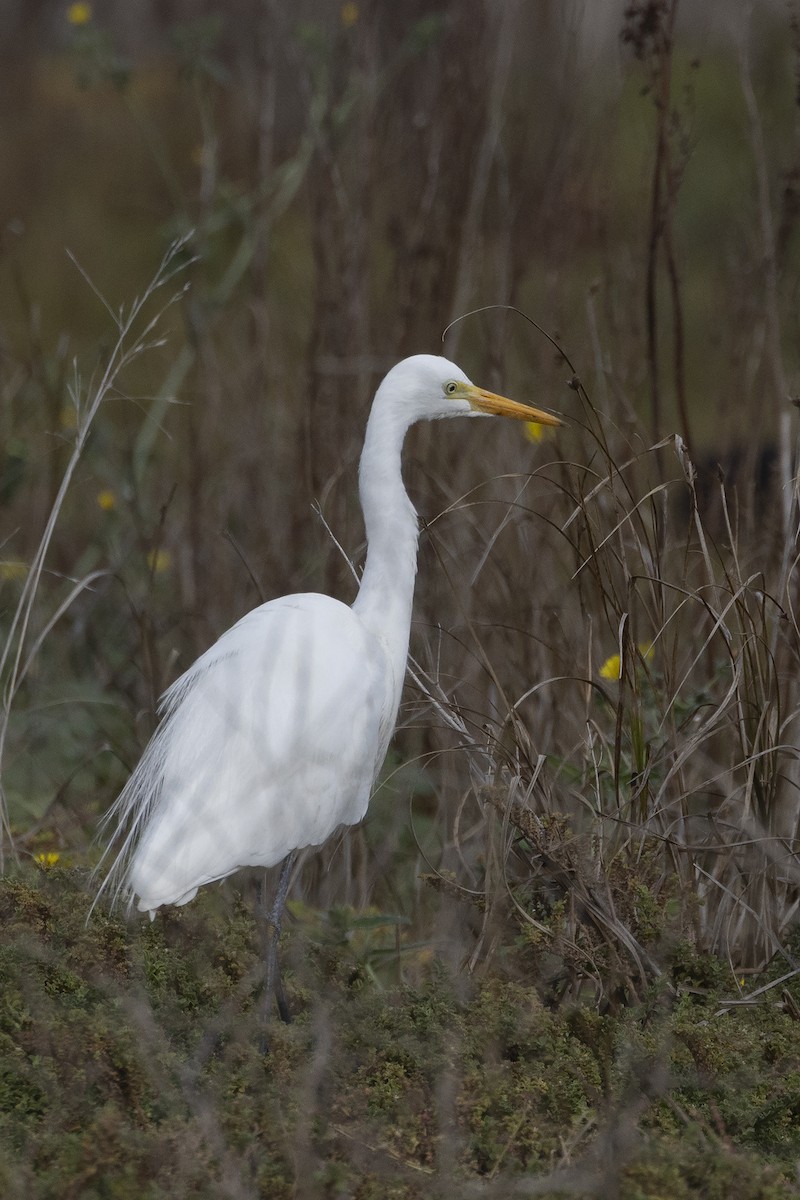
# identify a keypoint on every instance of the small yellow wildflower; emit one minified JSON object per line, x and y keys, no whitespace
{"x":535,"y":432}
{"x":79,"y":14}
{"x":13,"y":570}
{"x":159,"y":560}
{"x":47,"y":860}
{"x":348,"y":14}
{"x":611,"y":668}
{"x":107,"y":499}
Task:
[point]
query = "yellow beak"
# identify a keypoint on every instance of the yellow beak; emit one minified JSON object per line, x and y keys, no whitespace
{"x":499,"y":406}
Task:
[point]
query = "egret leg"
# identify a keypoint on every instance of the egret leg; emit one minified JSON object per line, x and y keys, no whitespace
{"x":274,"y":983}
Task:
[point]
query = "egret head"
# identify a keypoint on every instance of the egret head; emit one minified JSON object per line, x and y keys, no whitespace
{"x":429,"y":387}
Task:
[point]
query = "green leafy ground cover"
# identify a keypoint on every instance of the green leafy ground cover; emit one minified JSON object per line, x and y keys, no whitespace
{"x":130,"y":1066}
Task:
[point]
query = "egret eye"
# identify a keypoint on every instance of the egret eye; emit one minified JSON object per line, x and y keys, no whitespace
{"x":450,"y":388}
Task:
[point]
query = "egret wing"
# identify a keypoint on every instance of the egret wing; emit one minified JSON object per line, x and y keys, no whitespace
{"x":269,"y":742}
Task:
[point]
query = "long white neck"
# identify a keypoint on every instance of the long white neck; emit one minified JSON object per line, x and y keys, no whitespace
{"x":387,"y":586}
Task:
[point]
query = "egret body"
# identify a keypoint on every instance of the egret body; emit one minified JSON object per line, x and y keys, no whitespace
{"x":274,"y":737}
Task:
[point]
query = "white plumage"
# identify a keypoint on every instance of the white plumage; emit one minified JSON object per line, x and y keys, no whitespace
{"x":273,"y":738}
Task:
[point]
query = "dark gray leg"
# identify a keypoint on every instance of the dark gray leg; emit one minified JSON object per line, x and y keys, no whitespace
{"x":274,"y":984}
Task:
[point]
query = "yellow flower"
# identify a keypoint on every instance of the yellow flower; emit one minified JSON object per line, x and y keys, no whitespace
{"x":348,"y":14}
{"x":535,"y":432}
{"x":79,"y":14}
{"x":159,"y":560}
{"x":107,"y":499}
{"x":611,"y":668}
{"x":47,"y":860}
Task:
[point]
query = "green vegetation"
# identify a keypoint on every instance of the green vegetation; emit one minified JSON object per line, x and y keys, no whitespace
{"x":560,"y":952}
{"x":131,"y":1068}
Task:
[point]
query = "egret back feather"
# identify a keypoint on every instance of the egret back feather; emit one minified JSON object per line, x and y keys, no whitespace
{"x":268,"y":742}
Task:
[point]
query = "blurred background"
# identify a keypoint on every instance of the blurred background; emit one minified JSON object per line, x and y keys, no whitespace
{"x":347,"y":180}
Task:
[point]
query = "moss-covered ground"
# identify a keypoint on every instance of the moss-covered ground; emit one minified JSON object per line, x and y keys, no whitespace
{"x":132,"y":1066}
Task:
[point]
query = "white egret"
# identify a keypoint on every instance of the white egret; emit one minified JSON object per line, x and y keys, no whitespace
{"x":274,"y":737}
